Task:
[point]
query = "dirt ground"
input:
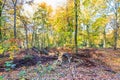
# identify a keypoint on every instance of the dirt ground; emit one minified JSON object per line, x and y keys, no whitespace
{"x":88,"y":64}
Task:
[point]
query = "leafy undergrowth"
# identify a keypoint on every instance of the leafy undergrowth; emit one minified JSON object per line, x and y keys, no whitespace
{"x":88,"y":64}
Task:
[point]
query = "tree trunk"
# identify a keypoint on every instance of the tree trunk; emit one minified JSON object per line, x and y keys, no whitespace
{"x":0,"y":24}
{"x":48,"y":41}
{"x":116,"y":29}
{"x":104,"y":39}
{"x":115,"y":39}
{"x":15,"y":3}
{"x":88,"y":36}
{"x":33,"y":39}
{"x":76,"y":26}
{"x":26,"y":35}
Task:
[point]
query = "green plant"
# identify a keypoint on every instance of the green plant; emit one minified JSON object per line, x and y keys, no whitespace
{"x":22,"y":75}
{"x":28,"y":57}
{"x":3,"y":48}
{"x":1,"y":78}
{"x":9,"y":65}
{"x":44,"y":69}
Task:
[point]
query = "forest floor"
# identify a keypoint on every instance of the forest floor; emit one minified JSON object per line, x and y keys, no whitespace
{"x":88,"y":64}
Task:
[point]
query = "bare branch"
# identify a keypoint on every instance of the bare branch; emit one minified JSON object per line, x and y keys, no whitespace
{"x":14,"y":2}
{"x":3,"y":4}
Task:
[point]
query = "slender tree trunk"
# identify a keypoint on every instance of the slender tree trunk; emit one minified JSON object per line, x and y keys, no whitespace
{"x":44,"y":33}
{"x":88,"y":36}
{"x":0,"y":24}
{"x":15,"y":3}
{"x":115,"y":39}
{"x":26,"y":35}
{"x":104,"y":39}
{"x":116,"y":29}
{"x":48,"y":41}
{"x":0,"y":20}
{"x":76,"y":25}
{"x":15,"y":21}
{"x":48,"y":32}
{"x":44,"y":39}
{"x":38,"y":41}
{"x":32,"y":43}
{"x":33,"y":37}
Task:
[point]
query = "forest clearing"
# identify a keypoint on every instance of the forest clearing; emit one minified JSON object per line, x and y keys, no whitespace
{"x":88,"y":64}
{"x":59,"y":40}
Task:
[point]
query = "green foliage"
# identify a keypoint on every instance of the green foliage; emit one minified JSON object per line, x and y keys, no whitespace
{"x":44,"y":69}
{"x":1,"y":78}
{"x":68,"y":45}
{"x":9,"y":65}
{"x":1,"y":50}
{"x":4,"y":47}
{"x":28,"y":57}
{"x":83,"y":44}
{"x":86,"y":3}
{"x":58,"y":29}
{"x":22,"y":75}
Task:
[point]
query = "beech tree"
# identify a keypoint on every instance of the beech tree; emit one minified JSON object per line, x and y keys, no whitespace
{"x":114,"y":8}
{"x":14,"y":5}
{"x":76,"y":24}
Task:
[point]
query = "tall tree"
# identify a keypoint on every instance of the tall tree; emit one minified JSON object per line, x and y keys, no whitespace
{"x":14,"y":5}
{"x":76,"y":24}
{"x":90,"y":14}
{"x":114,"y":6}
{"x":116,"y":24}
{"x":100,"y":28}
{"x":42,"y":25}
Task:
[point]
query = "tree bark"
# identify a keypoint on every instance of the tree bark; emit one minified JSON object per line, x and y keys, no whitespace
{"x":76,"y":26}
{"x":104,"y":39}
{"x":15,"y":3}
{"x":115,"y":38}
{"x":32,"y":43}
{"x":116,"y":28}
{"x":88,"y":36}
{"x":0,"y":24}
{"x":26,"y":34}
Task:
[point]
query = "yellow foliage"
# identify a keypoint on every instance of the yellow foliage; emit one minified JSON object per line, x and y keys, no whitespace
{"x":42,"y":5}
{"x":11,"y":56}
{"x":1,"y":51}
{"x":13,"y":48}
